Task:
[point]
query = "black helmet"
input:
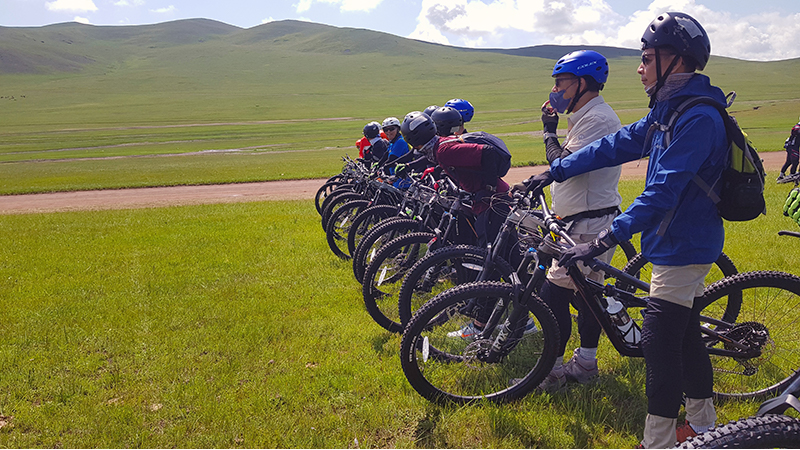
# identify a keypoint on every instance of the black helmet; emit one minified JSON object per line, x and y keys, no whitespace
{"x":448,"y":120}
{"x":372,"y":130}
{"x":417,"y":129}
{"x":681,"y":32}
{"x":429,"y":110}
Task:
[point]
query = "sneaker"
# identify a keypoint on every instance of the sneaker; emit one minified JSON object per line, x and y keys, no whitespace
{"x":684,"y":432}
{"x":580,"y":369}
{"x":530,"y":327}
{"x":468,"y":332}
{"x":554,"y":381}
{"x":780,"y":177}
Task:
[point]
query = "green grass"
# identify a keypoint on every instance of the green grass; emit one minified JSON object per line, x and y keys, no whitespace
{"x":235,"y":326}
{"x":183,"y":91}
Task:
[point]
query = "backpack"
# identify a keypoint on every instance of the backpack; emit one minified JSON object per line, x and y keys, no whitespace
{"x":495,"y":159}
{"x":741,"y":195}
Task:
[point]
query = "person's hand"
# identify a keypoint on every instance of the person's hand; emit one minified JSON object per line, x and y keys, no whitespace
{"x":536,"y":183}
{"x":549,"y":118}
{"x":401,"y":170}
{"x":589,"y":250}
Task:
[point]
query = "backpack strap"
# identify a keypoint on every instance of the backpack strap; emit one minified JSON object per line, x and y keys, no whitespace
{"x":667,"y":129}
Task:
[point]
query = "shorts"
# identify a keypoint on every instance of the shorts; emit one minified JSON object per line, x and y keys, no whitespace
{"x":679,"y":284}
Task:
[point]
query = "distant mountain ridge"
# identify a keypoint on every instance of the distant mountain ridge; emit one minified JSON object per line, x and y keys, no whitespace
{"x":70,"y":47}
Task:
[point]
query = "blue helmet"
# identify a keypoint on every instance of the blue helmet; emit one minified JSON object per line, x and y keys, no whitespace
{"x":583,"y":63}
{"x":462,"y":106}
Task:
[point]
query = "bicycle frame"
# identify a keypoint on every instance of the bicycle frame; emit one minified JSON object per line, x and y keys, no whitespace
{"x":591,"y":294}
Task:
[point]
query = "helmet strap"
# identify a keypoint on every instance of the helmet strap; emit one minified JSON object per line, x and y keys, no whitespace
{"x":578,"y":95}
{"x":661,"y":79}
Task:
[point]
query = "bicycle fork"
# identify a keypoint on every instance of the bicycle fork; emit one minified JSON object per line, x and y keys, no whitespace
{"x":510,"y":332}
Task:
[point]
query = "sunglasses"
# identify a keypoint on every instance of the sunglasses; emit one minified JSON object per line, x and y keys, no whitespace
{"x":560,"y":81}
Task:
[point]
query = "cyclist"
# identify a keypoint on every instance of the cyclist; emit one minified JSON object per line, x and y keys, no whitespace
{"x":465,"y":163}
{"x":397,"y":149}
{"x":469,"y":164}
{"x":792,"y":146}
{"x":682,"y":232}
{"x":587,"y":202}
{"x":397,"y":145}
{"x":448,"y":121}
{"x":378,"y":151}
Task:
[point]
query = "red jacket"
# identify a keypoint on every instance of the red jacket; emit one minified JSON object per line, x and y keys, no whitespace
{"x":361,"y":144}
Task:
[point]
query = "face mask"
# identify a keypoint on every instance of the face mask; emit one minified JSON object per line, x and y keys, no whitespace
{"x":558,"y":102}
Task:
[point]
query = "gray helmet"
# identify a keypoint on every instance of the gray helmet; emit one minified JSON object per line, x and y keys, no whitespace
{"x":372,"y":130}
{"x":681,"y":32}
{"x":429,"y":110}
{"x":448,"y":120}
{"x":417,"y":129}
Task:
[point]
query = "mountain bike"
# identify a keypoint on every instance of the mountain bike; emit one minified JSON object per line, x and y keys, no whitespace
{"x":340,"y":222}
{"x":351,"y":170}
{"x":748,"y":322}
{"x":385,"y":272}
{"x":421,"y":211}
{"x":453,"y":265}
{"x":770,"y":427}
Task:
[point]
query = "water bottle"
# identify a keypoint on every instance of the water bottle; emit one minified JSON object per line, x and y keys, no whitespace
{"x":628,"y":329}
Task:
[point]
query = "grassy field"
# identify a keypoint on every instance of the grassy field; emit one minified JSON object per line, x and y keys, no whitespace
{"x":235,"y":326}
{"x":111,"y":107}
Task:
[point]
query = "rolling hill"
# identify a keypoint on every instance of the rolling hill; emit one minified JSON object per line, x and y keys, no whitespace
{"x":70,"y":47}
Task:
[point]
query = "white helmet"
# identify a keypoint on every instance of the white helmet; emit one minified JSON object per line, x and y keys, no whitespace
{"x":391,"y":121}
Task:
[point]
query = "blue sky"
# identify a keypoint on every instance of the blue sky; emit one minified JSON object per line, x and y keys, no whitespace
{"x":762,"y":31}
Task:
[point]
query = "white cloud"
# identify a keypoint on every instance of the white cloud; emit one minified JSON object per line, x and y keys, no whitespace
{"x":169,"y":9}
{"x":129,"y":3}
{"x":71,"y":5}
{"x":344,"y":5}
{"x":267,"y":20}
{"x":489,"y":23}
{"x":82,"y":20}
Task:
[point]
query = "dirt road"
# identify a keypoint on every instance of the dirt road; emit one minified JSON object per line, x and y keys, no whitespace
{"x":228,"y":193}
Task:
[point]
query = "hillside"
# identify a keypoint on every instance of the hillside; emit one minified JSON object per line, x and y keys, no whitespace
{"x":71,"y":47}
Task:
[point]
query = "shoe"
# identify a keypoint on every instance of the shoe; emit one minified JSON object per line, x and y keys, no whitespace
{"x":684,"y":432}
{"x":780,"y":177}
{"x":530,"y":327}
{"x":580,"y":369}
{"x":554,"y":381}
{"x":468,"y":332}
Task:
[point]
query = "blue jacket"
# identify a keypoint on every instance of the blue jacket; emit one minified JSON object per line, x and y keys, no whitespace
{"x":695,"y":234}
{"x":398,"y":148}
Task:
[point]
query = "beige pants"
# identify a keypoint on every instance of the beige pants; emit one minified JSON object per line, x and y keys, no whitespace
{"x":659,"y":432}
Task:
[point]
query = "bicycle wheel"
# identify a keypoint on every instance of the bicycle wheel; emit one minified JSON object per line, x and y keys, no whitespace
{"x":768,"y":319}
{"x":339,"y":225}
{"x":769,"y":431}
{"x":384,"y":276}
{"x":441,"y":270}
{"x":364,"y":221}
{"x":324,"y":191}
{"x":642,"y":269}
{"x":334,"y":202}
{"x":451,"y":369}
{"x":376,"y":238}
